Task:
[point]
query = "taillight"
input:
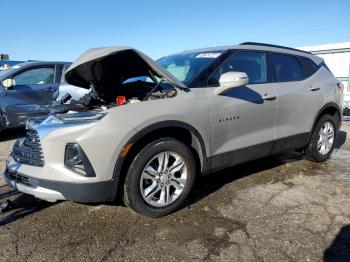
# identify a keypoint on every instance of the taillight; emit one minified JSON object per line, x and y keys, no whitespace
{"x":340,"y":86}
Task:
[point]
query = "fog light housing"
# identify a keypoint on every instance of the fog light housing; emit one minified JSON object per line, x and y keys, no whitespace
{"x":76,"y":160}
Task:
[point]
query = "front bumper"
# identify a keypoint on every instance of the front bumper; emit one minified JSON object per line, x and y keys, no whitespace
{"x":53,"y":191}
{"x":50,"y":179}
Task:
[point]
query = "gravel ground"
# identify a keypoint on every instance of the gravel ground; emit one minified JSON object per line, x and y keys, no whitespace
{"x":280,"y":208}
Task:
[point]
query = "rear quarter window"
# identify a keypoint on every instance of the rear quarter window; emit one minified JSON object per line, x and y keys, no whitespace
{"x":308,"y":67}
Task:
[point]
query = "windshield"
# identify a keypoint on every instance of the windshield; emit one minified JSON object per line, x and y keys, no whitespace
{"x":185,"y":67}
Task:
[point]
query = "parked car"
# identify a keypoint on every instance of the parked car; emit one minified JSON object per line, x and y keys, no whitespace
{"x":27,"y":86}
{"x":152,"y":127}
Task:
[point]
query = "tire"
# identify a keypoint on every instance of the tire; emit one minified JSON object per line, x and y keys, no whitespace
{"x":145,"y":192}
{"x":313,"y":152}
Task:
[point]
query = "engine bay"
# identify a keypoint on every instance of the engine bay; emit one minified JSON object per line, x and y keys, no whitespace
{"x":127,"y":93}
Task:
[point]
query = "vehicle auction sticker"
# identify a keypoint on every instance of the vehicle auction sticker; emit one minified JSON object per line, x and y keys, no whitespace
{"x":208,"y":55}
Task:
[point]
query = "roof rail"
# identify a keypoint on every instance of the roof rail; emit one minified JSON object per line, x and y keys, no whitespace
{"x":277,"y":46}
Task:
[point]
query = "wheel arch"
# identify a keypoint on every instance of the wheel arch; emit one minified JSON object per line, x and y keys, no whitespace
{"x":331,"y":109}
{"x":175,"y":129}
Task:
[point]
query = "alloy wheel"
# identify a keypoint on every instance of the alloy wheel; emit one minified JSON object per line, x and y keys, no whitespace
{"x":163,"y":179}
{"x":325,"y":138}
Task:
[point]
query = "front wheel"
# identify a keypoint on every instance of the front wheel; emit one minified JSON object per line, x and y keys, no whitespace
{"x":322,"y":140}
{"x":160,"y":178}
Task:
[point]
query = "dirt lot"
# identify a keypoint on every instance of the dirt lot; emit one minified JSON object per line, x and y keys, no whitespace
{"x":276,"y":209}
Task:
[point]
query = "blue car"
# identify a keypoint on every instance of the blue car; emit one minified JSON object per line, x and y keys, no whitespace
{"x":26,"y":88}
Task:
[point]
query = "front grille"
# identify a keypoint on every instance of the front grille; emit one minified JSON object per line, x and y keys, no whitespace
{"x":12,"y":175}
{"x":28,"y":150}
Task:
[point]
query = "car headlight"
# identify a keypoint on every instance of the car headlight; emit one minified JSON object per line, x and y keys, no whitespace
{"x":75,"y":118}
{"x":76,"y":160}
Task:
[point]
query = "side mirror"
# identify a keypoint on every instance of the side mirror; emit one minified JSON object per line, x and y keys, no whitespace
{"x":230,"y":80}
{"x":8,"y":83}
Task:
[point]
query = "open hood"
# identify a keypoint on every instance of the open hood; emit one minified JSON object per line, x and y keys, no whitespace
{"x":109,"y":67}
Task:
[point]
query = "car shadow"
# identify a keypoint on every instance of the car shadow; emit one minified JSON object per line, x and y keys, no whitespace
{"x":20,"y":206}
{"x":206,"y":185}
{"x":246,"y":94}
{"x":341,"y":139}
{"x":339,"y":250}
{"x":11,"y":134}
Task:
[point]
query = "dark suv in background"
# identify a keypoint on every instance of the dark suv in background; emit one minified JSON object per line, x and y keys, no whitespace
{"x":25,"y":85}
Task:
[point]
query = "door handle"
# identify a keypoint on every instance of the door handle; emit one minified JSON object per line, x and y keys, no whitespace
{"x":312,"y":88}
{"x":268,"y":97}
{"x":50,"y":90}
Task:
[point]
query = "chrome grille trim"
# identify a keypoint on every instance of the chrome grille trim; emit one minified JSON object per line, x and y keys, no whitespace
{"x":28,"y":150}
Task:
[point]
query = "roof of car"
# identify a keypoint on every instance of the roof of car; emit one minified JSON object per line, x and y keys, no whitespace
{"x":260,"y":47}
{"x":34,"y":63}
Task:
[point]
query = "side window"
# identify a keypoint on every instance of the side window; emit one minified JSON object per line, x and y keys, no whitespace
{"x":251,"y":63}
{"x":36,"y":76}
{"x":308,"y":67}
{"x":286,"y":68}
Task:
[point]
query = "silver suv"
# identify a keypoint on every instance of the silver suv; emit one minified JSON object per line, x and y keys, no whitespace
{"x":149,"y":128}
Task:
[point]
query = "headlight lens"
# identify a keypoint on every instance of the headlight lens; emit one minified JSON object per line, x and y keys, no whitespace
{"x":88,"y":116}
{"x":75,"y":118}
{"x":76,"y":160}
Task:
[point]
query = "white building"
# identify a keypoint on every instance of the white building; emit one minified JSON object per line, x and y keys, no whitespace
{"x":337,"y":58}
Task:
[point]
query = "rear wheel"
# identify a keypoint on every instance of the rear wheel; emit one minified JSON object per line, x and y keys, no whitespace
{"x":323,"y":139}
{"x":160,"y":178}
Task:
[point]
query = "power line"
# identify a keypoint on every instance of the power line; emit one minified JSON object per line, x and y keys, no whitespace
{"x":306,"y":31}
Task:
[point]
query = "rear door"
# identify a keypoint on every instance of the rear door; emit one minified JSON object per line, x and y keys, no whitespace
{"x":298,"y":99}
{"x":243,"y":119}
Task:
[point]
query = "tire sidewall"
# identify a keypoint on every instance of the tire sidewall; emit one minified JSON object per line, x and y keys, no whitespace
{"x":314,"y":149}
{"x":132,"y":193}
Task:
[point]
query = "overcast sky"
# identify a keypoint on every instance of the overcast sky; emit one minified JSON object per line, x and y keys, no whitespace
{"x":62,"y":30}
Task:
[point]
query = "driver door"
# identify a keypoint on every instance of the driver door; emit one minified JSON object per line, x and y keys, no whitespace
{"x":243,"y":119}
{"x":35,"y":85}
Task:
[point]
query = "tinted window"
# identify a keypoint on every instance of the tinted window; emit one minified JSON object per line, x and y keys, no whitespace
{"x":251,"y":63}
{"x":308,"y":67}
{"x":286,"y":68}
{"x":36,"y":76}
